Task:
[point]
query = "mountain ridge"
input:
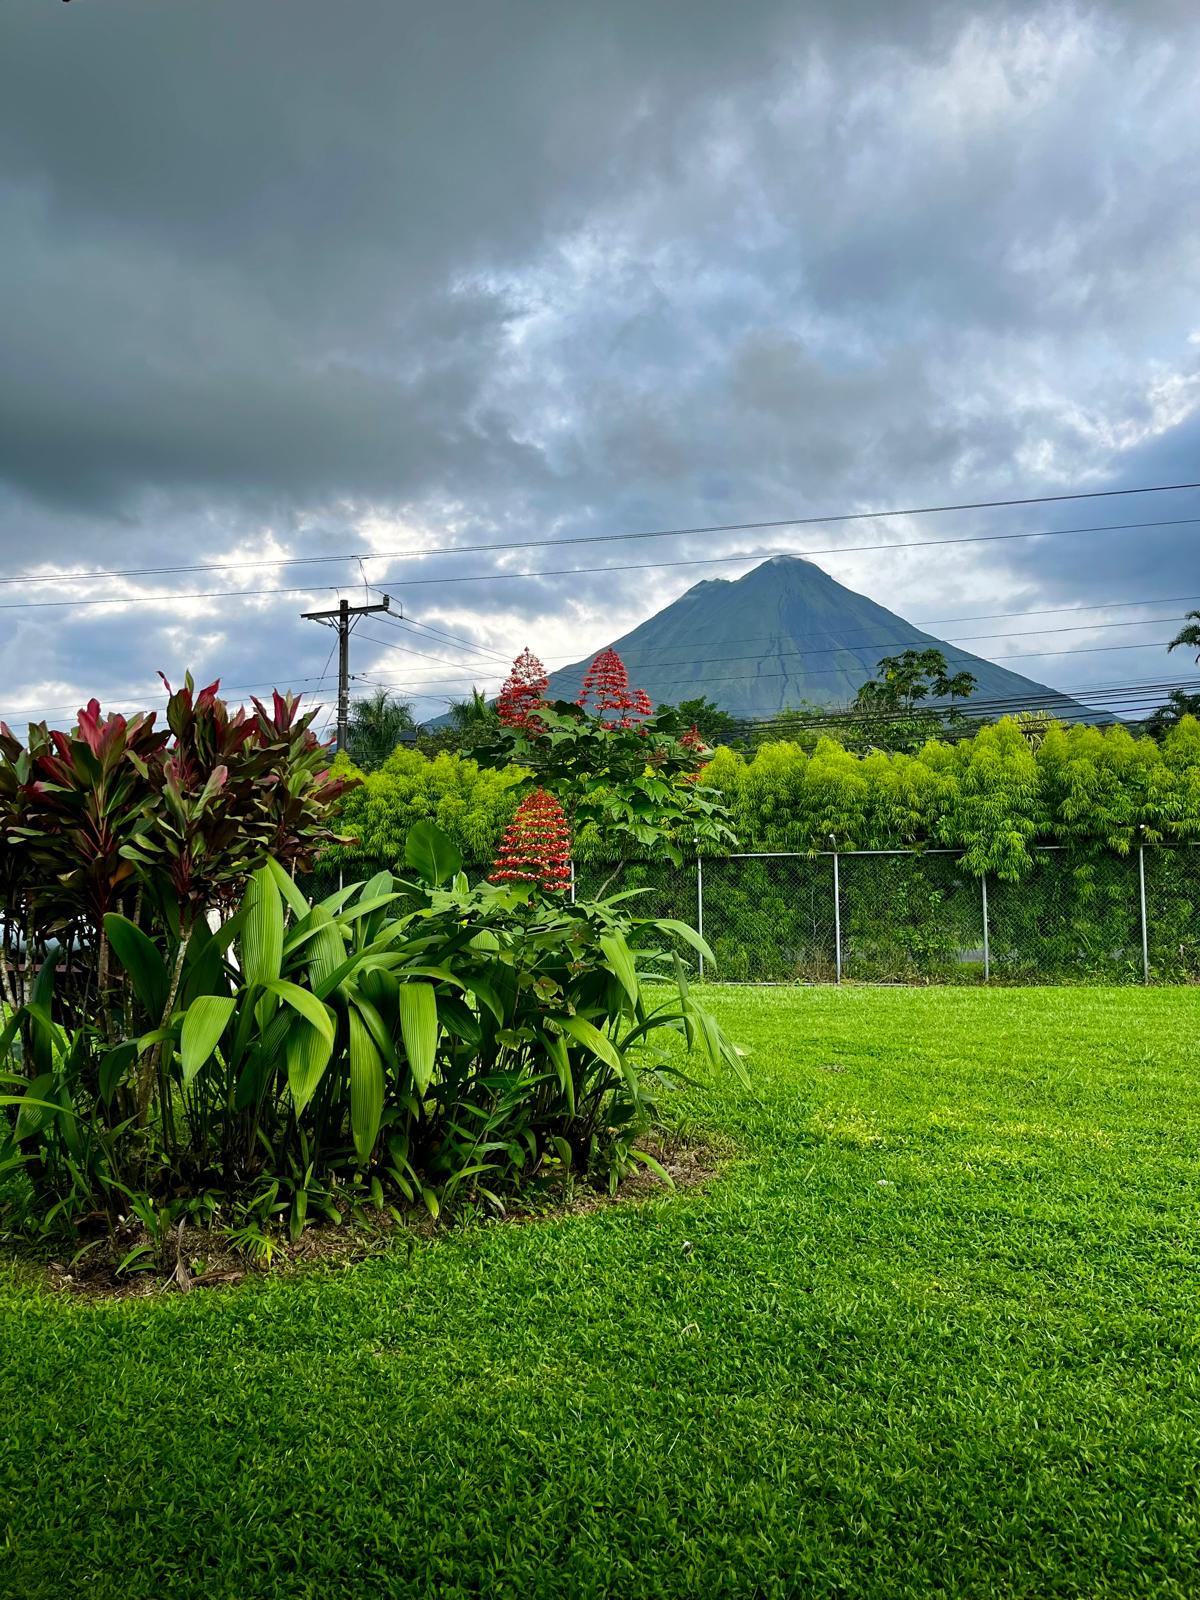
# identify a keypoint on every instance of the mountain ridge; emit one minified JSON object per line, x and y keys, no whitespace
{"x":782,"y":635}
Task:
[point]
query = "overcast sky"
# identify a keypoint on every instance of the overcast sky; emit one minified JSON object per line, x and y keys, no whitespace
{"x":300,"y":278}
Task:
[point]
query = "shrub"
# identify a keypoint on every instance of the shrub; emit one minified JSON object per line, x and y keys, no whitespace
{"x":403,"y":1038}
{"x":626,"y":777}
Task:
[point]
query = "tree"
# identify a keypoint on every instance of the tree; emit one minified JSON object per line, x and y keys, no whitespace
{"x":626,"y":776}
{"x":473,"y":714}
{"x":909,"y":678}
{"x":712,"y":724}
{"x":1188,"y":635}
{"x":890,"y":705}
{"x":377,"y":724}
{"x":1179,"y":704}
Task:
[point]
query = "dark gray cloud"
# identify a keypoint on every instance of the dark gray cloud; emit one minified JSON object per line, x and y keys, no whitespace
{"x":301,"y":278}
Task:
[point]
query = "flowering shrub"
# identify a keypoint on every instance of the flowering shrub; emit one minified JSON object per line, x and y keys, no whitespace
{"x":619,"y":770}
{"x":536,"y":847}
{"x":606,"y":689}
{"x":522,"y":692}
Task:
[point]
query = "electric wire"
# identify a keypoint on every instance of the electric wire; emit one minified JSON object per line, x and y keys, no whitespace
{"x":824,"y":519}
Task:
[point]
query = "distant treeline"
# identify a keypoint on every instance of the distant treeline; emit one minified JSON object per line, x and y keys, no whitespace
{"x":995,"y":795}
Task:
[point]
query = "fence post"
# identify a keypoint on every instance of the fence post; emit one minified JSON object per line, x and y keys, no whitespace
{"x":837,"y":916}
{"x":700,"y":905}
{"x":572,"y":880}
{"x":1142,"y":899}
{"x":987,"y":947}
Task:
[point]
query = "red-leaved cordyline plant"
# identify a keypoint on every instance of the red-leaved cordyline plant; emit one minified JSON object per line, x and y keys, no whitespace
{"x":606,"y":689}
{"x":536,"y":847}
{"x":522,"y":692}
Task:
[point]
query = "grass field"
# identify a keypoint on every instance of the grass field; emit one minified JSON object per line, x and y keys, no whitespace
{"x":932,"y":1331}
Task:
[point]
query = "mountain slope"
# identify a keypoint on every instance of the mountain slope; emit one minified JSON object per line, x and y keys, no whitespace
{"x":784,"y":634}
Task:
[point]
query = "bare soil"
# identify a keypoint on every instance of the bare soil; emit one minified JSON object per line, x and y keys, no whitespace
{"x":194,"y":1258}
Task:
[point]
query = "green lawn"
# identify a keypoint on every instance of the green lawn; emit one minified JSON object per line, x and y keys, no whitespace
{"x":933,"y":1331}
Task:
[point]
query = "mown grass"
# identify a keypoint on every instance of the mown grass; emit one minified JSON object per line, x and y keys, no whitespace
{"x":933,"y":1331}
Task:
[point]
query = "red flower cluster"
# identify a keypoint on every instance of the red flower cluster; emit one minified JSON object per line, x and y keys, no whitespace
{"x":522,"y":691}
{"x":536,"y":847}
{"x":606,"y":689}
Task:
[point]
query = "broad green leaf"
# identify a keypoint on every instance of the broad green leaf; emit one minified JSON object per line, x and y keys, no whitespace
{"x":288,"y":888}
{"x":113,"y":1067}
{"x":141,"y":960}
{"x":430,"y":853}
{"x":366,"y":906}
{"x":444,"y":973}
{"x":326,"y":948}
{"x":205,"y":1022}
{"x":417,"y":1004}
{"x":42,"y":1036}
{"x":376,"y":1026}
{"x":556,"y":1049}
{"x":314,"y":1011}
{"x":43,"y":984}
{"x":620,"y":959}
{"x":656,"y":1167}
{"x":381,"y":884}
{"x":458,"y":1018}
{"x":688,"y":935}
{"x":308,"y":1052}
{"x":588,"y":1035}
{"x":36,"y":1110}
{"x":261,"y":945}
{"x":146,"y":1041}
{"x":366,"y":1086}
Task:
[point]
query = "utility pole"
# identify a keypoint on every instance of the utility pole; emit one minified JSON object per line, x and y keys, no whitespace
{"x":343,"y":619}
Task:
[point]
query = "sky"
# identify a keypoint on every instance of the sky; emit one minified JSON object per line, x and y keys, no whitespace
{"x":300,"y":280}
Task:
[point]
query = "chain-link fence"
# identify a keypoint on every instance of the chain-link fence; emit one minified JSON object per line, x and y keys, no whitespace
{"x":894,"y":916}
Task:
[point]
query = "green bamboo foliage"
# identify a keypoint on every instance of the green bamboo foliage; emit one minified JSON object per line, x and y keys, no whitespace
{"x":1014,"y":785}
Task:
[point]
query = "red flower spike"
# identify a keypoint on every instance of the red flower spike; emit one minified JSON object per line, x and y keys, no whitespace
{"x":536,"y":847}
{"x":522,"y":692}
{"x":606,"y":689}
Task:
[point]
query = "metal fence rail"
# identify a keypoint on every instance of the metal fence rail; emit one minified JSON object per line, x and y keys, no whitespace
{"x":897,"y":916}
{"x":905,"y":916}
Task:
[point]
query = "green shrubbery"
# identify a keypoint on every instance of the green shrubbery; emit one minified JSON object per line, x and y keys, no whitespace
{"x":404,"y":1038}
{"x":995,"y":796}
{"x":400,"y":1039}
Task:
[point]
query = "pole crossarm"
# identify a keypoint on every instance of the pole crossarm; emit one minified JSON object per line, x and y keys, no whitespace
{"x":342,"y":618}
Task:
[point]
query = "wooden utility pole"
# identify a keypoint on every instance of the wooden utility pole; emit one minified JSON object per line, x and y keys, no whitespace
{"x":343,"y":619}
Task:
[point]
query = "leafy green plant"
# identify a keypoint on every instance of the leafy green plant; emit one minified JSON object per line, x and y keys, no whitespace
{"x":627,"y":777}
{"x":411,"y":1040}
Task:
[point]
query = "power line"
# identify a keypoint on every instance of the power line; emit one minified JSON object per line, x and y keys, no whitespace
{"x":407,"y":624}
{"x":407,"y":650}
{"x":158,"y":599}
{"x":1118,"y":703}
{"x":888,"y":644}
{"x":829,"y":550}
{"x":128,"y":695}
{"x":987,"y":616}
{"x":559,"y":572}
{"x":828,"y":518}
{"x":916,"y":622}
{"x":1014,"y":655}
{"x":863,"y":645}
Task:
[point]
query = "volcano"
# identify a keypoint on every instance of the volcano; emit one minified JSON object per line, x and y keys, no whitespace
{"x":783,"y":636}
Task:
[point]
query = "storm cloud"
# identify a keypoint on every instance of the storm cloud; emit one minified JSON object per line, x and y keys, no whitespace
{"x":299,"y":280}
